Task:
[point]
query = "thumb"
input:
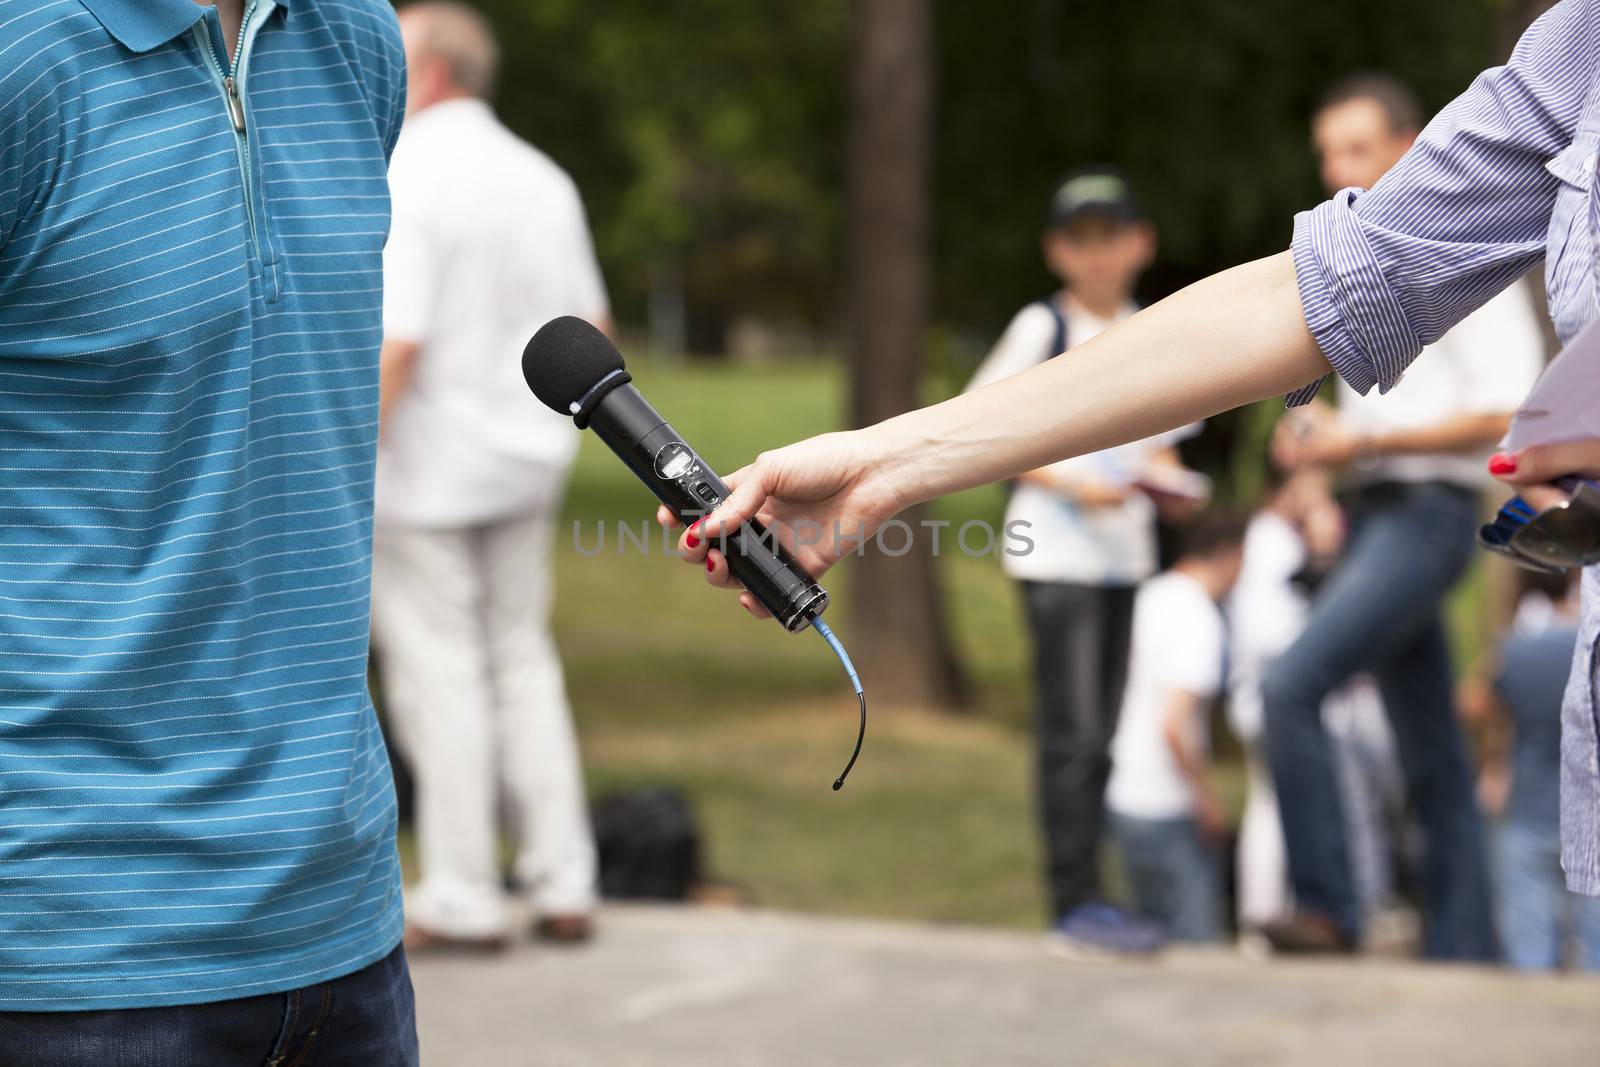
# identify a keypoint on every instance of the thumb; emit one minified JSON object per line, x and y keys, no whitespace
{"x":1546,"y":463}
{"x":748,"y":490}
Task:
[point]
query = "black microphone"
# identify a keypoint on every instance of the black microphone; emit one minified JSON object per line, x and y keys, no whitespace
{"x":575,"y":370}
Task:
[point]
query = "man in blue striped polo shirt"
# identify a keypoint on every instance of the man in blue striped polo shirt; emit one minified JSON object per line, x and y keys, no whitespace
{"x":197,"y":859}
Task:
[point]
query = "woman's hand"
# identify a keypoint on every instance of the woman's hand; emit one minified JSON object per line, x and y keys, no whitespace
{"x":1533,"y":469}
{"x":1229,"y":340}
{"x":823,"y":497}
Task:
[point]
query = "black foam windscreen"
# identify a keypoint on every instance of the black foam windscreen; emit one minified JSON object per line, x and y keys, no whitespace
{"x":566,"y":359}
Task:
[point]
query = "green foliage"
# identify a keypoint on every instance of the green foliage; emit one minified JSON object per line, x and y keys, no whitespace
{"x":935,"y":822}
{"x":707,"y":136}
{"x":704,"y":136}
{"x":1204,"y":102}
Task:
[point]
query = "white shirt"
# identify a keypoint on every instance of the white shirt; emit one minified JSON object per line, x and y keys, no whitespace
{"x":1266,"y":612}
{"x":1179,"y":645}
{"x":1484,"y":366}
{"x":1114,"y":545}
{"x":488,"y":243}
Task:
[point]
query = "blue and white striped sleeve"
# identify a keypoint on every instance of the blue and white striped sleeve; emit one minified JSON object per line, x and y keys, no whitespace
{"x":394,"y":113}
{"x":368,"y":32}
{"x":1384,"y":272}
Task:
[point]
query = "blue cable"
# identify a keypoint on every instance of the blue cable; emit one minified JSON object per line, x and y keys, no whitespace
{"x":855,"y":682}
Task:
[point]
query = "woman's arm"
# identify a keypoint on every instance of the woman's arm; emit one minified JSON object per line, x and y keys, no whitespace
{"x":1234,"y":338}
{"x":1231,"y":339}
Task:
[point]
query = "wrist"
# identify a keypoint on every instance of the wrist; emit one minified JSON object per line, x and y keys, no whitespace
{"x":892,"y":458}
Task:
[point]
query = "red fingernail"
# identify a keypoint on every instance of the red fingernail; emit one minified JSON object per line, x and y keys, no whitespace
{"x":1502,"y":463}
{"x":689,"y":538}
{"x":710,"y":566}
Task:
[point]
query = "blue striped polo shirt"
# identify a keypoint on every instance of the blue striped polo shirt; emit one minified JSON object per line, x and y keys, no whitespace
{"x":195,"y":804}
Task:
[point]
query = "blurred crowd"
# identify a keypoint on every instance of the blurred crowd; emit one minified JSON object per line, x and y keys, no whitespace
{"x":1316,"y":621}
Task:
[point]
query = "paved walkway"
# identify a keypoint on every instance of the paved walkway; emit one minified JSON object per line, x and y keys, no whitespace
{"x":711,"y":988}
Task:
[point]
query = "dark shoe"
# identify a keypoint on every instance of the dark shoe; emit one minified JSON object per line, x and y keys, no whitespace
{"x":1098,"y":931}
{"x":419,"y":939}
{"x":564,"y":929}
{"x":1309,"y":934}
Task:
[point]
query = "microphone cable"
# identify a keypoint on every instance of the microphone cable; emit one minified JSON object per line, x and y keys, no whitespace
{"x":855,"y":682}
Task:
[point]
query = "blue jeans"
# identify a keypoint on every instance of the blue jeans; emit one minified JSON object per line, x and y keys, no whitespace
{"x":1173,"y":873}
{"x":1380,"y":612}
{"x":364,"y":1019}
{"x":1538,"y":916}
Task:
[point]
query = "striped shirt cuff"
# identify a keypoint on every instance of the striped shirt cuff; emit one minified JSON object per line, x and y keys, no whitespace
{"x":1350,"y":309}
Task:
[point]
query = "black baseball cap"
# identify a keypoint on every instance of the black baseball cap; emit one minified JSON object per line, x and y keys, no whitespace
{"x":1093,"y":192}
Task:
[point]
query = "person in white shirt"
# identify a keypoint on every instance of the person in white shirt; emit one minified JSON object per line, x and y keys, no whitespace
{"x":1293,"y":539}
{"x":1166,"y":815}
{"x":1414,"y":463}
{"x":1092,"y":524}
{"x":489,"y":242}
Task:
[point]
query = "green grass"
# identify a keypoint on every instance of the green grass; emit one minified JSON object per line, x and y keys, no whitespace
{"x":671,"y":683}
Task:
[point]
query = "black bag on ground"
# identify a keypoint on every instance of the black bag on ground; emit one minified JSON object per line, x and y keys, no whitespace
{"x":649,"y":845}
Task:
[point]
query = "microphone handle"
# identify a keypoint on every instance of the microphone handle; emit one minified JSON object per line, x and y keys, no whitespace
{"x":688,"y":486}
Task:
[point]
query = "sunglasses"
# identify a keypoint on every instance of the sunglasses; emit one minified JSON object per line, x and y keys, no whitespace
{"x":1555,"y":540}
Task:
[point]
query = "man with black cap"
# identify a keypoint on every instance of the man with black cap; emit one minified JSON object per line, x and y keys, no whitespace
{"x":1093,"y":538}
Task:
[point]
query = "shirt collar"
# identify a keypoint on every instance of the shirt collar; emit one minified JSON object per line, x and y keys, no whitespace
{"x":143,"y":24}
{"x":453,"y":110}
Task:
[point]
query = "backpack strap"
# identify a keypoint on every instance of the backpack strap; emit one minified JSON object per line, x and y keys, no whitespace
{"x":1058,"y":345}
{"x":1058,"y":341}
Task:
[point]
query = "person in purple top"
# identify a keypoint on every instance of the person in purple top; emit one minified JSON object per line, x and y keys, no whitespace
{"x":1502,"y":178}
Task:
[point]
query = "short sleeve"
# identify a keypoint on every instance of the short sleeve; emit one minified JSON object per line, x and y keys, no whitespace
{"x":368,"y":35}
{"x":394,"y":114}
{"x":1194,"y":662}
{"x":1465,"y":213}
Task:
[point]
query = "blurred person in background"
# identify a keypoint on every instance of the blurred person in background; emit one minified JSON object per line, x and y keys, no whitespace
{"x":489,"y":242}
{"x":1542,"y":925}
{"x":1094,"y":535}
{"x":1166,"y":815}
{"x":1293,"y":536}
{"x":1292,"y":543}
{"x":1413,"y":464}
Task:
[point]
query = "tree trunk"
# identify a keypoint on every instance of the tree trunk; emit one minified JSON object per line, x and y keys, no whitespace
{"x":898,"y":620}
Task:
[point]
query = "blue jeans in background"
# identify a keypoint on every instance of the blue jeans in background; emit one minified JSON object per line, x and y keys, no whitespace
{"x":1380,"y":612}
{"x":1539,"y":918}
{"x":1174,"y":874}
{"x":366,"y":1019}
